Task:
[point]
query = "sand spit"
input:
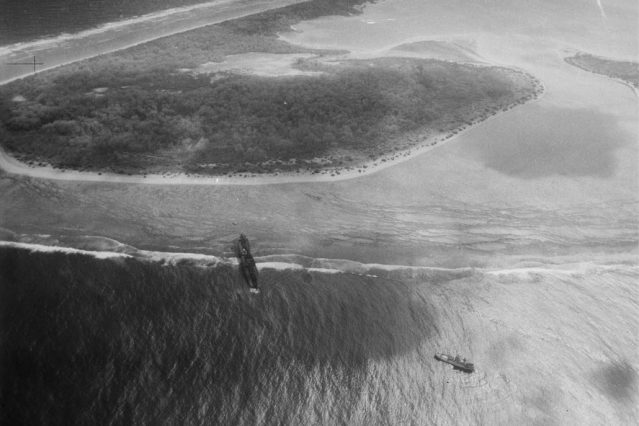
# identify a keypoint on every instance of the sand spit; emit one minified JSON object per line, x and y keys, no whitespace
{"x":443,"y":50}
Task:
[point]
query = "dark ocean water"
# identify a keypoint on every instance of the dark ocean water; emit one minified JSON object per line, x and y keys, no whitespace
{"x":25,"y":20}
{"x":159,"y":338}
{"x":124,"y":341}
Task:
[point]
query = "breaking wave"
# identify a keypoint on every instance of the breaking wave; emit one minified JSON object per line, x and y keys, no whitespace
{"x":103,"y":248}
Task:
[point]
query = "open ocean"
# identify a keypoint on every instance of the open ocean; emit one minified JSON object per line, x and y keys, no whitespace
{"x":134,"y":337}
{"x":58,"y":35}
{"x":27,"y":20}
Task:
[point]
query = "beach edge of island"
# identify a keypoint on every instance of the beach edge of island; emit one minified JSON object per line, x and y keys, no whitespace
{"x":11,"y":165}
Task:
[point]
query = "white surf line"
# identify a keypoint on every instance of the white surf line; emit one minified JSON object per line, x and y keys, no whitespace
{"x":567,"y":269}
{"x":361,"y":269}
{"x":170,"y":258}
{"x":391,"y":268}
{"x":174,"y":258}
{"x":66,"y":250}
{"x":247,"y":9}
{"x":101,"y":28}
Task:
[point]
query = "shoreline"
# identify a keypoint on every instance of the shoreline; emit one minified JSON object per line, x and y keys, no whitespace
{"x":100,"y":28}
{"x":247,"y":10}
{"x":573,"y":60}
{"x":14,"y":166}
{"x":387,"y":154}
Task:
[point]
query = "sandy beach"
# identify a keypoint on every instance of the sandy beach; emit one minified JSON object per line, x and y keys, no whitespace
{"x":14,"y":166}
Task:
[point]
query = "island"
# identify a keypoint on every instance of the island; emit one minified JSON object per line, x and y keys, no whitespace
{"x":626,"y":71}
{"x":232,"y":99}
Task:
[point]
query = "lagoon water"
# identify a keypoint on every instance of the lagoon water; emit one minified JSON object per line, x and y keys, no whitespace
{"x":515,"y":244}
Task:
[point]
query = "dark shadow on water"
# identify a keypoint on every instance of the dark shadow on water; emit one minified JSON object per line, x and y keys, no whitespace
{"x":618,"y":381}
{"x":546,"y":141}
{"x":120,"y":340}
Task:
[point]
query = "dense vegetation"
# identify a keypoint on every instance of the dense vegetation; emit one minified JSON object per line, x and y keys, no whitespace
{"x":167,"y":118}
{"x":138,"y":111}
{"x":281,"y":19}
{"x":624,"y":70}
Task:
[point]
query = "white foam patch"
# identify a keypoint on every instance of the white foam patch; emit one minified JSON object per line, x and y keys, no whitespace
{"x":66,"y":250}
{"x":154,"y":256}
{"x":174,"y":258}
{"x":325,"y":270}
{"x":279,"y":266}
{"x":523,"y":270}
